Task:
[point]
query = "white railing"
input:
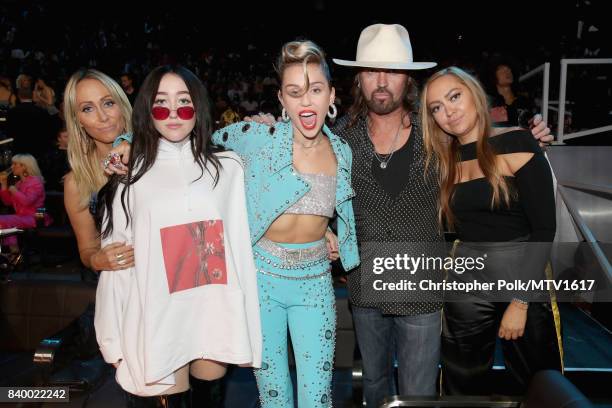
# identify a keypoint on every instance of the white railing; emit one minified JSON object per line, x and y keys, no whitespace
{"x":545,"y":85}
{"x":562,"y":94}
{"x":546,"y":102}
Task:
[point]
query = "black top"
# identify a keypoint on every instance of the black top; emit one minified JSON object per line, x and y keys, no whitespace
{"x":517,"y":114}
{"x":532,"y":204}
{"x":54,"y":167}
{"x":382,"y":215}
{"x":394,"y":178}
{"x":132,"y":97}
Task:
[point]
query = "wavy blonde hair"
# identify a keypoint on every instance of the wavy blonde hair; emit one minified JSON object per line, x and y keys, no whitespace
{"x":30,"y":164}
{"x":302,"y":52}
{"x":84,"y":162}
{"x":443,"y":149}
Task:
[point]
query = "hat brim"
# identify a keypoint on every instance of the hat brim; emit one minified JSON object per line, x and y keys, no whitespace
{"x":385,"y":64}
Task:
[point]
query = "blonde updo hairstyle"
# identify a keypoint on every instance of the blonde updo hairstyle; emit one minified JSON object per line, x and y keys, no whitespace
{"x":302,"y":52}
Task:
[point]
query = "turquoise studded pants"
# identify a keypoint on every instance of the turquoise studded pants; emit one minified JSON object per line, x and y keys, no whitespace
{"x":296,"y":297}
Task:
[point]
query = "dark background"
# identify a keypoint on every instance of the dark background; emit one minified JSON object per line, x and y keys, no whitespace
{"x":227,"y":41}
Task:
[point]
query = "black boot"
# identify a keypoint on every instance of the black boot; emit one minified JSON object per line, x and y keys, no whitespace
{"x":206,"y":394}
{"x":178,"y":400}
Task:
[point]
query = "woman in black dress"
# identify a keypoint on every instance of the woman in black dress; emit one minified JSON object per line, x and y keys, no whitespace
{"x":497,"y":194}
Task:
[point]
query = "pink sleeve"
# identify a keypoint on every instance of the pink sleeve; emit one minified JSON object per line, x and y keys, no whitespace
{"x":29,"y":193}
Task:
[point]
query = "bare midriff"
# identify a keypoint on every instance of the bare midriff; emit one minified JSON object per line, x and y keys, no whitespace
{"x":297,"y":228}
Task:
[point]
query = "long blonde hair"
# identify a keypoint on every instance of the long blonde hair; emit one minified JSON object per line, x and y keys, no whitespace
{"x":30,"y":164}
{"x":443,"y":149}
{"x":86,"y":168}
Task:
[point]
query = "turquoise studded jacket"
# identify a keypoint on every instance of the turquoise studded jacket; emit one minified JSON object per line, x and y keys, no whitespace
{"x":272,"y":184}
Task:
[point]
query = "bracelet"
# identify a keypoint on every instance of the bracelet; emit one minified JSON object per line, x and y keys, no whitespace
{"x":521,"y":302}
{"x":125,"y":136}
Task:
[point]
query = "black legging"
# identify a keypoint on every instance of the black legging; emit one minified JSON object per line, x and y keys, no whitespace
{"x":469,"y":332}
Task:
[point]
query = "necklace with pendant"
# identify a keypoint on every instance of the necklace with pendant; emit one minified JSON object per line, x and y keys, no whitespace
{"x":384,"y":159}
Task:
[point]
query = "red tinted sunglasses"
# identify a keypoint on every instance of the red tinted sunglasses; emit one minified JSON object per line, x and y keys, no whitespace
{"x":162,"y":113}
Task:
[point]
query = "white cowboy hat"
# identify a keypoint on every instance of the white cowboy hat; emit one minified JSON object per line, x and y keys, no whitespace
{"x":385,"y":46}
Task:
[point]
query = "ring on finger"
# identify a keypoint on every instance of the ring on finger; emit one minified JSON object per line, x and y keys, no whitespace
{"x":119,"y":256}
{"x":121,"y":261}
{"x":114,"y":158}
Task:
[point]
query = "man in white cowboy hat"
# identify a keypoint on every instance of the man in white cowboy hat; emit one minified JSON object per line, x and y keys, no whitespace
{"x":393,"y":202}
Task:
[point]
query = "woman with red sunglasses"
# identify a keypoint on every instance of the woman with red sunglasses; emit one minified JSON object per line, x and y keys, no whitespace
{"x":190,"y":304}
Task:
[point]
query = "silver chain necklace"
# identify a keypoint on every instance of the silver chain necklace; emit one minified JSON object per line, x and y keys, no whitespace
{"x":384,"y":161}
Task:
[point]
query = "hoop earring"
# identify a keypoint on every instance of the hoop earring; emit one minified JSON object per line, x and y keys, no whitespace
{"x":333,"y":113}
{"x":285,"y":115}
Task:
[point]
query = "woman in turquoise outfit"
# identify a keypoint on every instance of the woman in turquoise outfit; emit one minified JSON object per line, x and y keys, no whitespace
{"x":298,"y":177}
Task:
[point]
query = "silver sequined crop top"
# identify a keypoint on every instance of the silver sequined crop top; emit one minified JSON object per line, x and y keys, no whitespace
{"x":320,"y":200}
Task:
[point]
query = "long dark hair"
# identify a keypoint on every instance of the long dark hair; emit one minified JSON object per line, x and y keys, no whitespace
{"x":145,"y":141}
{"x":489,"y":76}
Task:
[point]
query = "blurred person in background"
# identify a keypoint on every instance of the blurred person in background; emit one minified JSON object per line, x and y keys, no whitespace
{"x":26,"y":196}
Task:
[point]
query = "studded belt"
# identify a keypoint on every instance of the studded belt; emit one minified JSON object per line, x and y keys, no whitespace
{"x":304,"y":277}
{"x":291,"y":258}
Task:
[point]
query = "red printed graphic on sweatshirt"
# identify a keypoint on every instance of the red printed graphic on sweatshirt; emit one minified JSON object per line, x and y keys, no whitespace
{"x":194,"y":254}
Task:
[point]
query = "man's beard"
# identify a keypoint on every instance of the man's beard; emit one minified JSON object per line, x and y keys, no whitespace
{"x":383,"y":107}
